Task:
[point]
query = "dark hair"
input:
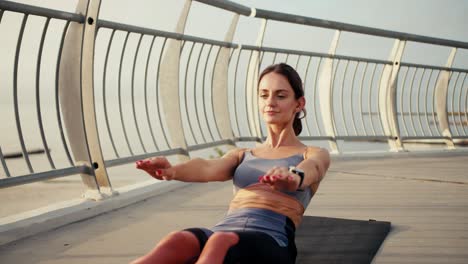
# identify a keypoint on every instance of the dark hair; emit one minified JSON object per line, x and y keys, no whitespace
{"x":296,"y":83}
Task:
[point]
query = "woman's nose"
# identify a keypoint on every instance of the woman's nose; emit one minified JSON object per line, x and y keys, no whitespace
{"x":270,"y":101}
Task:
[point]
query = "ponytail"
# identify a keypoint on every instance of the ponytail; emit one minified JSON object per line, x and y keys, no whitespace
{"x":297,"y":123}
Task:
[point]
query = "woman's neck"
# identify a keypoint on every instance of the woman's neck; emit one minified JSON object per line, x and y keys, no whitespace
{"x":281,"y":137}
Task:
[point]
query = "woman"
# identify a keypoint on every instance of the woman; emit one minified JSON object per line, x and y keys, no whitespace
{"x":274,"y":181}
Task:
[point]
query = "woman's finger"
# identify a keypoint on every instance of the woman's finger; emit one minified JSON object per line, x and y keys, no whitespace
{"x":165,"y":174}
{"x":152,"y":164}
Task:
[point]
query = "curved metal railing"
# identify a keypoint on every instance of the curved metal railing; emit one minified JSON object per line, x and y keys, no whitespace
{"x":118,"y":93}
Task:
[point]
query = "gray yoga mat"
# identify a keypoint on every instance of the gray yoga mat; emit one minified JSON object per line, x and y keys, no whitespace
{"x":333,"y":240}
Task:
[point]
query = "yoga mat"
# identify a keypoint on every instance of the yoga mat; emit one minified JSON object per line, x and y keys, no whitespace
{"x":334,"y":240}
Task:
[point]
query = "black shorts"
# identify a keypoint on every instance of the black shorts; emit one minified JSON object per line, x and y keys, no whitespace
{"x":253,"y":247}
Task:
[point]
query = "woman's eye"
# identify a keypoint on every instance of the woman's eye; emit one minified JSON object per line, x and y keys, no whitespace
{"x":263,"y":96}
{"x":280,"y":96}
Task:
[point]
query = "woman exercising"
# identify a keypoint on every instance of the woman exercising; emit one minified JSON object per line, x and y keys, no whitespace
{"x":274,"y":183}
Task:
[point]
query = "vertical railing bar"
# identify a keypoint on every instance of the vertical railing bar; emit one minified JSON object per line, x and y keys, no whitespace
{"x":433,"y":104}
{"x":402,"y":101}
{"x":122,"y":55}
{"x":146,"y":93}
{"x":410,"y":102}
{"x":15,"y":94}
{"x":203,"y":91}
{"x":341,"y":98}
{"x":262,"y":53}
{"x":297,"y":62}
{"x":425,"y":102}
{"x":287,"y":57}
{"x":254,"y":102}
{"x":195,"y":93}
{"x":273,"y":61}
{"x":212,"y":97}
{"x":157,"y":93}
{"x":38,"y":97}
{"x":459,"y":106}
{"x":258,"y":112}
{"x":305,"y":85}
{"x":57,"y":103}
{"x":333,"y":92}
{"x":230,"y":55}
{"x":182,"y":45}
{"x":306,"y":125}
{"x":351,"y":102}
{"x":274,"y":57}
{"x":360,"y":98}
{"x":464,"y":109}
{"x":417,"y":101}
{"x":185,"y":93}
{"x":245,"y":94}
{"x":235,"y":89}
{"x":315,"y":96}
{"x":5,"y":166}
{"x":230,"y":91}
{"x":104,"y":86}
{"x":369,"y":102}
{"x":137,"y":127}
{"x":453,"y":105}
{"x":378,"y":104}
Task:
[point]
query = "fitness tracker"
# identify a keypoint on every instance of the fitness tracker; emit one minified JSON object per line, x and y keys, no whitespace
{"x":301,"y":174}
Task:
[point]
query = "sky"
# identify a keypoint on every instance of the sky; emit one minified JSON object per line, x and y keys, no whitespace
{"x":436,"y":18}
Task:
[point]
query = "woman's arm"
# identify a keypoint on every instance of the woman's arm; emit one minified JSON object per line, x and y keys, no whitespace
{"x":194,"y":170}
{"x":315,"y":165}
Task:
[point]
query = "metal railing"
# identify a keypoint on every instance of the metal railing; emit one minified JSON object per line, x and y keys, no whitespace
{"x":122,"y":93}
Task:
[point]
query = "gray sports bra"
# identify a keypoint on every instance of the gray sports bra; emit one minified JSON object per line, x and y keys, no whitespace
{"x":252,"y":167}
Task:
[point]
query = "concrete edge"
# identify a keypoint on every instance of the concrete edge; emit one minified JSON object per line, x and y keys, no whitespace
{"x":19,"y":226}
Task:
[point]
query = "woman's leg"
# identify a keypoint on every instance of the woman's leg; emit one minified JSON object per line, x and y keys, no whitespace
{"x":216,"y":248}
{"x":177,"y":247}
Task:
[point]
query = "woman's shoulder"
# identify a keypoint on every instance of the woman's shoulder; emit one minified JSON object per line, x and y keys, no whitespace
{"x":311,"y":151}
{"x":237,"y":153}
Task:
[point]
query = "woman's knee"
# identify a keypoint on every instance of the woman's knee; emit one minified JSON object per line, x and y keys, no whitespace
{"x":180,"y":238}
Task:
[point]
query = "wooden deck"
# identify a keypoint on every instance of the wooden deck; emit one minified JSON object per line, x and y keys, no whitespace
{"x":425,"y":199}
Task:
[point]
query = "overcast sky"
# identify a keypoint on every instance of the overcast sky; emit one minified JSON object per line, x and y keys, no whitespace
{"x":436,"y":18}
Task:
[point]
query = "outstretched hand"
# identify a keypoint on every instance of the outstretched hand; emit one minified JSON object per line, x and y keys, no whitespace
{"x":279,"y":178}
{"x":158,"y":167}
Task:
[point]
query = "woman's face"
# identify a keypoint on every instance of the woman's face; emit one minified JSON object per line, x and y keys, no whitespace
{"x":276,"y":99}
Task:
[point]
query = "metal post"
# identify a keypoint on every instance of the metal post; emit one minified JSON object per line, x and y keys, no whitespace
{"x":325,"y":94}
{"x":77,"y":100}
{"x":252,"y":78}
{"x":387,"y":97}
{"x":441,"y":95}
{"x":87,"y":90}
{"x":169,"y":87}
{"x":220,"y":85}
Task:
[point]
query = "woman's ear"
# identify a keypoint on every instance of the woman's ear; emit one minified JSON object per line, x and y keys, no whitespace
{"x":301,"y":103}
